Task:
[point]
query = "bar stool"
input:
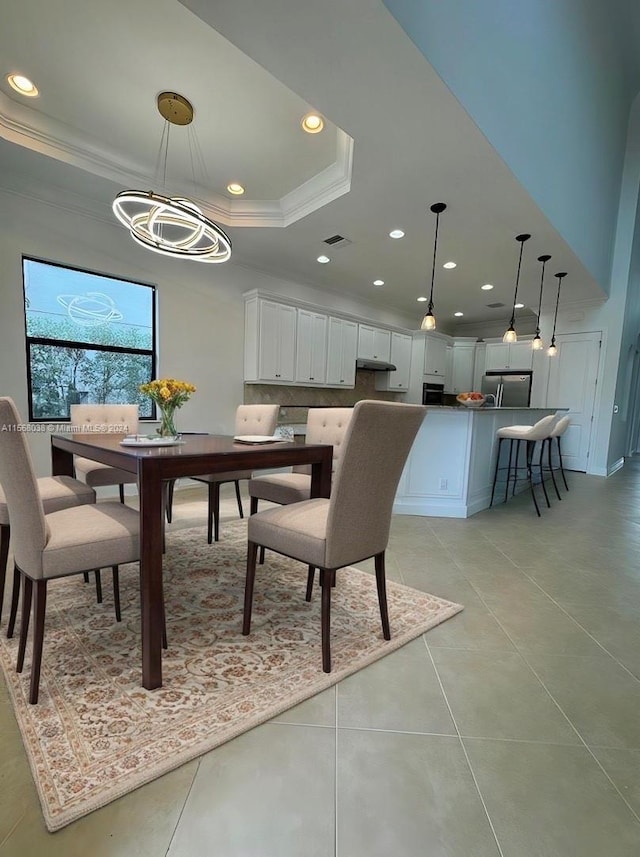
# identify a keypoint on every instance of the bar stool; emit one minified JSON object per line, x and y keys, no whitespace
{"x":556,"y":432}
{"x":530,"y":435}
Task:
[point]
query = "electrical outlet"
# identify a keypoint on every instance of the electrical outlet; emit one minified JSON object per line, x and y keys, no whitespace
{"x":443,"y":484}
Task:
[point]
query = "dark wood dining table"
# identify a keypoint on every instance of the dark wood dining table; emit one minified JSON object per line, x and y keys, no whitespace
{"x":197,"y":454}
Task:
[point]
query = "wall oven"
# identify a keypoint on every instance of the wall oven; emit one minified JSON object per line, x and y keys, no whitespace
{"x":432,"y":394}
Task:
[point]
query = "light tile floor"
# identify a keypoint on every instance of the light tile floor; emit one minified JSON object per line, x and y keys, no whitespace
{"x":512,"y":729}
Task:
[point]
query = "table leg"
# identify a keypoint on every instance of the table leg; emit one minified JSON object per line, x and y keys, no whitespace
{"x":150,"y":488}
{"x":61,"y":462}
{"x":321,"y":474}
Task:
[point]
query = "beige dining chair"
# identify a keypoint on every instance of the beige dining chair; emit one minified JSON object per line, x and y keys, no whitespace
{"x":353,"y":524}
{"x":56,"y":492}
{"x":250,"y":420}
{"x":59,"y":544}
{"x":324,"y":425}
{"x":118,"y":419}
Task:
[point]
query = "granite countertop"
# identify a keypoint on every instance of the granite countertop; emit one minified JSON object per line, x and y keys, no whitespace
{"x":485,"y":408}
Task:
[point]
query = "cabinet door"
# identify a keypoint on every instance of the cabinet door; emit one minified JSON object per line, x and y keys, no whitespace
{"x":463,"y":361}
{"x":435,"y":356}
{"x":497,"y":356}
{"x":374,"y":343}
{"x":277,"y":341}
{"x":520,"y":355}
{"x":342,"y":350}
{"x":311,"y":347}
{"x":397,"y":381}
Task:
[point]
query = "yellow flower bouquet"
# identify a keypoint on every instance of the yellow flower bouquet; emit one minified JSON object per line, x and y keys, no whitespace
{"x":169,"y":395}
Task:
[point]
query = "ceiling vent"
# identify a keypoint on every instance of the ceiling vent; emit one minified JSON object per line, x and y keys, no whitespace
{"x":496,"y":305}
{"x":337,"y":241}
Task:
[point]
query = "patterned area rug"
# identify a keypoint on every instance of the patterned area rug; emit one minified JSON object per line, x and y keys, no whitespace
{"x":96,"y":734}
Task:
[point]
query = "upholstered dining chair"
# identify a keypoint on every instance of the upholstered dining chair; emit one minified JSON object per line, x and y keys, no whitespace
{"x":56,"y":492}
{"x":354,"y":523}
{"x":121,"y":419}
{"x":324,"y":425}
{"x":250,"y":419}
{"x":59,"y":544}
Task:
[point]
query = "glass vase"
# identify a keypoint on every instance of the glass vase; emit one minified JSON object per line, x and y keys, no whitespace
{"x":167,"y":427}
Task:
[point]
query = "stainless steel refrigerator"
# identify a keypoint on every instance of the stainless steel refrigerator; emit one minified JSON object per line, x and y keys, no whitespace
{"x":510,"y":389}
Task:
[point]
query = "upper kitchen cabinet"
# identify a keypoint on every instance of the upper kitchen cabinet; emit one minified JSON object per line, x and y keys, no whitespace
{"x":269,"y":341}
{"x":311,"y":348}
{"x":342,"y":352}
{"x":462,"y":369}
{"x":514,"y":356}
{"x":435,"y":356}
{"x":374,"y":343}
{"x":398,"y":381}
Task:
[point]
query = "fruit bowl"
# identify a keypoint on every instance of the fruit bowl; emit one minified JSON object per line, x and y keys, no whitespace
{"x":471,"y":400}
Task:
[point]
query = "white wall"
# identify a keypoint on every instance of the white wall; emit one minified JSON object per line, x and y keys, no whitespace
{"x":200,"y":307}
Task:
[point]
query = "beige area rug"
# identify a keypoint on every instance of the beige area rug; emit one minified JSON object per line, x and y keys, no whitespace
{"x":96,"y":734}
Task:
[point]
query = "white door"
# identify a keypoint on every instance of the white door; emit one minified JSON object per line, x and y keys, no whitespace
{"x":573,"y":375}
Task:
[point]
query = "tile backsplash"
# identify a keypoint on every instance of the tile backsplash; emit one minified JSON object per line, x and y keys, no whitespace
{"x":294,"y":401}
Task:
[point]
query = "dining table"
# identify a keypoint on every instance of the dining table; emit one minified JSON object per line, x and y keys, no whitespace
{"x":192,"y":455}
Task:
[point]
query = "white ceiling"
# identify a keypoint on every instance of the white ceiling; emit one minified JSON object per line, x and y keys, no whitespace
{"x":395,"y":142}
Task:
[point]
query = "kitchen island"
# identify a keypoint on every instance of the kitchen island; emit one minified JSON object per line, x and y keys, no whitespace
{"x":449,"y":471}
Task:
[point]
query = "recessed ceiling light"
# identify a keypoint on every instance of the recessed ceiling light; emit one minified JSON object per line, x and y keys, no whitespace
{"x":458,"y":314}
{"x":22,"y":85}
{"x":312,"y":123}
{"x":235,"y":188}
{"x":378,"y":282}
{"x":421,"y":299}
{"x":487,"y":287}
{"x":396,"y":233}
{"x":449,"y":264}
{"x":518,"y":306}
{"x":323,"y":260}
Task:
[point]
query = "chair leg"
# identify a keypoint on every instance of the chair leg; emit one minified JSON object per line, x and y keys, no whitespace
{"x":239,"y":499}
{"x":252,"y":552}
{"x":325,"y":618}
{"x":116,"y":592}
{"x":39,"y":610}
{"x":382,"y":595}
{"x":15,"y":597}
{"x":310,"y":578}
{"x":544,"y":487}
{"x":530,"y":446}
{"x":495,"y":474}
{"x":550,"y":462}
{"x":98,"y":585}
{"x":254,"y":506}
{"x":261,"y":561}
{"x":27,"y":589}
{"x":169,"y":507}
{"x":5,"y":533}
{"x":121,"y":491}
{"x":85,"y":575}
{"x":564,"y":478}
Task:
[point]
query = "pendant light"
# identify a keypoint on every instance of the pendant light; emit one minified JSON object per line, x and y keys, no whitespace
{"x":538,"y":344}
{"x":510,"y":334}
{"x":173,"y":226}
{"x":552,"y":350}
{"x":429,"y":320}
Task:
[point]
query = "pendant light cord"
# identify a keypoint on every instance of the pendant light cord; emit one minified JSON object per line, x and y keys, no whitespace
{"x":433,"y":267}
{"x":555,"y":318}
{"x":544,"y":260}
{"x":515,"y":294}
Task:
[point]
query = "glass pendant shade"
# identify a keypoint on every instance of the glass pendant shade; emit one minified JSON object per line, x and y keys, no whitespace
{"x":552,"y":350}
{"x":429,"y":320}
{"x":537,"y":344}
{"x":510,"y":334}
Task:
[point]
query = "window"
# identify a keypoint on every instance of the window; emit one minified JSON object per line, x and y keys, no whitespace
{"x":90,"y":339}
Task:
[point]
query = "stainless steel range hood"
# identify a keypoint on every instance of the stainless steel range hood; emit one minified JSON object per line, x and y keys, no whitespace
{"x":375,"y":365}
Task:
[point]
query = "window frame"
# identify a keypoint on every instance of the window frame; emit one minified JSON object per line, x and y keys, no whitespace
{"x":63,"y":343}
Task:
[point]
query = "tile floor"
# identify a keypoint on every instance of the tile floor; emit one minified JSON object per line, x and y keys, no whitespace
{"x":513,"y":729}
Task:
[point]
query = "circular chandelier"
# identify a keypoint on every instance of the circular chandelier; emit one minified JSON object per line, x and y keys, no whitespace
{"x":173,"y":226}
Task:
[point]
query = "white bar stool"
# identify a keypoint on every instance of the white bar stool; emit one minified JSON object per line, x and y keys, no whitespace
{"x":540,"y":431}
{"x":556,"y":432}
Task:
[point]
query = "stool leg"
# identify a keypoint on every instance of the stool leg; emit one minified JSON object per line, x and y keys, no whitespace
{"x":544,"y":487}
{"x":506,"y":487}
{"x":515,"y":469}
{"x":553,"y":475}
{"x":495,"y":474}
{"x":564,"y":478}
{"x":530,"y":447}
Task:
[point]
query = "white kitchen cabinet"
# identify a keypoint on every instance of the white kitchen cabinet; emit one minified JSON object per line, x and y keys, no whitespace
{"x":462,"y":370}
{"x":435,"y":356}
{"x":514,"y":356}
{"x":397,"y":381}
{"x":374,"y":343}
{"x":342,"y":351}
{"x":311,"y":348}
{"x":270,"y":341}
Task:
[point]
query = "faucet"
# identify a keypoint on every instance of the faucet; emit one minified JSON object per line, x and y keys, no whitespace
{"x":490,"y":396}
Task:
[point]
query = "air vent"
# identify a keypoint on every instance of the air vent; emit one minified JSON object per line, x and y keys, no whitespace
{"x":337,"y":241}
{"x":496,"y":305}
